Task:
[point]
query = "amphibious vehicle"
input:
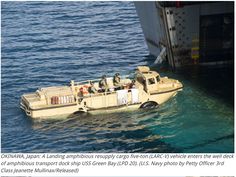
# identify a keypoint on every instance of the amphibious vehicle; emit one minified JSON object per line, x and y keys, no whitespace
{"x":146,"y":90}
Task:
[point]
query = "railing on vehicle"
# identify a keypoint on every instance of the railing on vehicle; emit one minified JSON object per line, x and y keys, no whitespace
{"x":97,"y":80}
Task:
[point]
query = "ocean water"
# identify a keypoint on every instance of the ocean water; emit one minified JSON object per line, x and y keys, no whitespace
{"x":51,"y":43}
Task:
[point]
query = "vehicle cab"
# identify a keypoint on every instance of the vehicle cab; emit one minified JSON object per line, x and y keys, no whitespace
{"x":148,"y":79}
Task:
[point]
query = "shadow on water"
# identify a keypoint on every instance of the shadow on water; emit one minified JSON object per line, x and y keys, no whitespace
{"x":216,"y":81}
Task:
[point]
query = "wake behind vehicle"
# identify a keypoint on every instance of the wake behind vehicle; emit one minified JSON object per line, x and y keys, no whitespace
{"x":146,"y":90}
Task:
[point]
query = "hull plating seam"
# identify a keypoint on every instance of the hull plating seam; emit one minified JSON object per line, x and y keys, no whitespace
{"x":113,"y":107}
{"x":166,"y":91}
{"x":52,"y":107}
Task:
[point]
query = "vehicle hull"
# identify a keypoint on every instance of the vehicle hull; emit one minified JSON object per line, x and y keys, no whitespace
{"x":67,"y":110}
{"x":146,"y":90}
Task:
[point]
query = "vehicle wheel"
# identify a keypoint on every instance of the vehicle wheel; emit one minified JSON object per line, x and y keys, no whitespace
{"x":149,"y":105}
{"x":77,"y":113}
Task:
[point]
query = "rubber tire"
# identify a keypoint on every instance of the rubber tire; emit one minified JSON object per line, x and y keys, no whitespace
{"x":149,"y":105}
{"x":77,"y":113}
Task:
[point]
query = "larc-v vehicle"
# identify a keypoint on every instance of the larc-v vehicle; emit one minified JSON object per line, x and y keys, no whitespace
{"x":146,"y":90}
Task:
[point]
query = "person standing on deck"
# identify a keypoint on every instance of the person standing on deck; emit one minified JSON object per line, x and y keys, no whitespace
{"x":91,"y":88}
{"x":103,"y":84}
{"x":116,"y":81}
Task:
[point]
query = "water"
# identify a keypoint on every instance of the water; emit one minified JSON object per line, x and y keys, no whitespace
{"x":51,"y":43}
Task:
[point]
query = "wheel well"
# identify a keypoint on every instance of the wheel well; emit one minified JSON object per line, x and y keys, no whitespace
{"x":149,"y":104}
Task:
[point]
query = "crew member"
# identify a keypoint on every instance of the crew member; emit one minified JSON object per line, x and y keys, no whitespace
{"x":116,"y":80}
{"x":132,"y":84}
{"x":103,"y":84}
{"x":80,"y":95}
{"x":91,"y":88}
